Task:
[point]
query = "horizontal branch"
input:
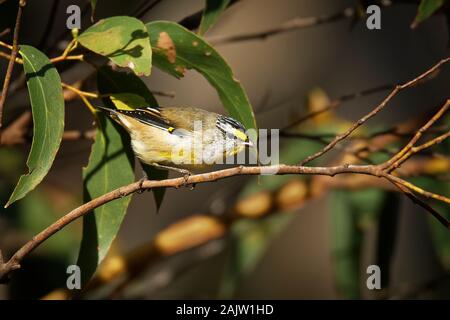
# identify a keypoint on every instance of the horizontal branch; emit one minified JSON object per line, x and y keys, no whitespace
{"x":290,"y":25}
{"x":14,"y":262}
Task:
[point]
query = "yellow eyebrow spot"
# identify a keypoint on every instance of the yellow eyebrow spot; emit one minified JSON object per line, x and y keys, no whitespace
{"x":241,"y":135}
{"x":171,"y":129}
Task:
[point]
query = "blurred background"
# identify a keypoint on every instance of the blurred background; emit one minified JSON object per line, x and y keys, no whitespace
{"x":279,"y":238}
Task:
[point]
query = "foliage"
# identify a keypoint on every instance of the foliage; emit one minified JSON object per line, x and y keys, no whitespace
{"x":426,"y":9}
{"x":47,"y":103}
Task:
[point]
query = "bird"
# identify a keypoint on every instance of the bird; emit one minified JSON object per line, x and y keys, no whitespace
{"x":182,"y":139}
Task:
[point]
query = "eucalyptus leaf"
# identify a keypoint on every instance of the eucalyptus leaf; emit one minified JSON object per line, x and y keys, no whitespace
{"x":177,"y":49}
{"x":212,"y":12}
{"x":426,"y":9}
{"x":47,"y":105}
{"x":124,"y":40}
{"x":111,"y":165}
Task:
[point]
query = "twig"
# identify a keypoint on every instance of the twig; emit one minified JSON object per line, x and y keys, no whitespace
{"x":5,"y":32}
{"x":337,"y":103}
{"x":9,"y":70}
{"x":8,"y":56}
{"x":409,"y":149}
{"x":423,"y":204}
{"x":167,"y":94}
{"x":377,"y":109}
{"x":290,"y":25}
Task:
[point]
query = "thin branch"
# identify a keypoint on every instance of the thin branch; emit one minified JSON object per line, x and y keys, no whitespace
{"x":5,"y":32}
{"x":337,"y":103}
{"x":409,"y":149}
{"x":9,"y":70}
{"x":14,"y":262}
{"x":290,"y":25}
{"x":416,"y":189}
{"x":423,"y":204}
{"x":376,"y":110}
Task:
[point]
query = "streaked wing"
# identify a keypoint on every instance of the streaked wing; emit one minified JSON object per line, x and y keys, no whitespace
{"x":149,"y":116}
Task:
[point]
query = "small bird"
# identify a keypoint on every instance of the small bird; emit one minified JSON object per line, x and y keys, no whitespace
{"x":181,"y":138}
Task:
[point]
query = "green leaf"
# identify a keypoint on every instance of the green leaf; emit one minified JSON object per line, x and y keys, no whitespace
{"x":124,"y":40}
{"x":213,"y":9}
{"x":111,"y":165}
{"x":426,"y":9}
{"x":47,"y":105}
{"x":177,"y":49}
{"x":128,"y":91}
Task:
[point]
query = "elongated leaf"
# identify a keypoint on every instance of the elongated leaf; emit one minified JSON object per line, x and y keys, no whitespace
{"x":47,"y":104}
{"x":131,"y":92}
{"x":426,"y":9}
{"x":111,"y":165}
{"x":213,"y":9}
{"x":124,"y":40}
{"x":177,"y":49}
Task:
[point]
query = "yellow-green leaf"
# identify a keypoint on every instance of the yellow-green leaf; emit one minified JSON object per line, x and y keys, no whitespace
{"x":127,"y":101}
{"x":124,"y":40}
{"x":176,"y":49}
{"x":213,"y":9}
{"x":47,"y":105}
